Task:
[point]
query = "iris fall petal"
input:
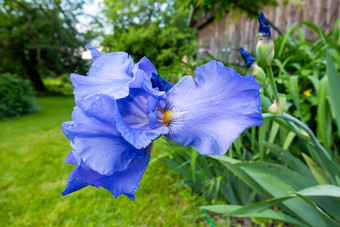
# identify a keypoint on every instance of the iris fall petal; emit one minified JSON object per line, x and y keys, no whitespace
{"x":122,"y":182}
{"x":211,"y":111}
{"x":95,"y":138}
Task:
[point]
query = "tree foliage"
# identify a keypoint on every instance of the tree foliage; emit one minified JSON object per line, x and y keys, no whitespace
{"x":220,"y":7}
{"x":156,"y":29}
{"x":40,"y":38}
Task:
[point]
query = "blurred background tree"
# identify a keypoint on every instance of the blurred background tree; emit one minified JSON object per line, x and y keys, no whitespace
{"x":40,"y":38}
{"x":155,"y":29}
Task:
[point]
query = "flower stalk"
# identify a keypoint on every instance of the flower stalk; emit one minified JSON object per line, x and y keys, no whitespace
{"x":274,"y":88}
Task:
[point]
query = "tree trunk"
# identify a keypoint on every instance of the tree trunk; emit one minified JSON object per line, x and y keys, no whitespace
{"x":36,"y":80}
{"x":34,"y":75}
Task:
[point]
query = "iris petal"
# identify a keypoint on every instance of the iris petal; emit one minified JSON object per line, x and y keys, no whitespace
{"x":95,"y":138}
{"x":94,"y":52}
{"x":110,"y":74}
{"x":211,"y":111}
{"x":160,"y":83}
{"x":145,"y":65}
{"x":263,"y":24}
{"x":138,"y":114}
{"x":123,"y":182}
{"x":73,"y":184}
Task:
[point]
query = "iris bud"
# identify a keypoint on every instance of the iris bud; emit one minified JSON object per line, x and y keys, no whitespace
{"x":258,"y":72}
{"x":248,"y":59}
{"x":254,"y":69}
{"x":264,"y":49}
{"x":278,"y":108}
{"x":265,"y":45}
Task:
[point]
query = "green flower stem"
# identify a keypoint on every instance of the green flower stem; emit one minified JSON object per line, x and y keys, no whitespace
{"x":303,"y":126}
{"x":272,"y":83}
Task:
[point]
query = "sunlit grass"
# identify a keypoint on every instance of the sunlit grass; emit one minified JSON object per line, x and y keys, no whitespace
{"x":33,"y":175}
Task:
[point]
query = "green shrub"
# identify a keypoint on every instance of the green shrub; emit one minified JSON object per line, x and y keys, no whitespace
{"x":61,"y":85}
{"x":16,"y":96}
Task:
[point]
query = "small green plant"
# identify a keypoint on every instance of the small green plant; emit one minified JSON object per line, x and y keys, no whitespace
{"x":16,"y":96}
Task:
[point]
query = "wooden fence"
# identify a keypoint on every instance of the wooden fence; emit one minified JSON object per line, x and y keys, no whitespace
{"x":223,"y":38}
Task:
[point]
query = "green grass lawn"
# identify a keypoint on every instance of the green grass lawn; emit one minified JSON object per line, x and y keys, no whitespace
{"x":33,"y":175}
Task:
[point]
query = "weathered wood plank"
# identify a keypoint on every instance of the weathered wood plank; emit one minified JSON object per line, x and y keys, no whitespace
{"x":224,"y":37}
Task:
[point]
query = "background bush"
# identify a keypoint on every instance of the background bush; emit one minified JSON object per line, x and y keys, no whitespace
{"x":16,"y":96}
{"x":61,"y":85}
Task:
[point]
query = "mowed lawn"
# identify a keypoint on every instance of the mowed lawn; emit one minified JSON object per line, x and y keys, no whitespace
{"x":33,"y":175}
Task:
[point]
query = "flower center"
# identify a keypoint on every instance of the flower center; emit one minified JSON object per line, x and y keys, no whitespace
{"x":168,"y":117}
{"x":171,"y":115}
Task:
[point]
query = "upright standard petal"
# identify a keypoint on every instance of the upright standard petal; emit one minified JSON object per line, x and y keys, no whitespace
{"x":160,"y":83}
{"x":94,"y":52}
{"x":211,"y":111}
{"x":122,"y":182}
{"x":138,"y":114}
{"x":151,"y":74}
{"x":145,"y":65}
{"x":110,"y":74}
{"x":95,"y":138}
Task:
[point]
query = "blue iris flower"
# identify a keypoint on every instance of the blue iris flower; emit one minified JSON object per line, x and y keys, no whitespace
{"x":264,"y":27}
{"x":121,"y":107}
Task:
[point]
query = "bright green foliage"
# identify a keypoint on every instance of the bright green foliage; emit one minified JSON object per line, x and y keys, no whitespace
{"x":16,"y":96}
{"x":294,"y":188}
{"x":208,"y":177}
{"x":155,"y":29}
{"x":280,"y":171}
{"x":334,"y":85}
{"x":304,"y":70}
{"x":33,"y":176}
